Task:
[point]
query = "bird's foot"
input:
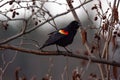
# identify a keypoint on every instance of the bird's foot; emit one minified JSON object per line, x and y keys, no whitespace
{"x":59,"y":52}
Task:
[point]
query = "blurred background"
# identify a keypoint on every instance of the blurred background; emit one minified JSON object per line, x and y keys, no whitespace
{"x":39,"y":66}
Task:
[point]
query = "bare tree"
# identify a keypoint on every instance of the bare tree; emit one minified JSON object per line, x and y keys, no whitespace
{"x":35,"y":15}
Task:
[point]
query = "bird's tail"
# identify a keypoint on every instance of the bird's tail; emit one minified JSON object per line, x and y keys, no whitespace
{"x":41,"y":47}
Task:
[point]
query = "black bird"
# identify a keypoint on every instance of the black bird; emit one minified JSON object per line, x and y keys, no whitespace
{"x":64,"y":36}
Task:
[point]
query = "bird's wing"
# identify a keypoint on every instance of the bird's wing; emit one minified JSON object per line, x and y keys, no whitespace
{"x":55,"y":36}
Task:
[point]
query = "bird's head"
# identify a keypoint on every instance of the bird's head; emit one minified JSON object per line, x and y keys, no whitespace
{"x":74,"y":25}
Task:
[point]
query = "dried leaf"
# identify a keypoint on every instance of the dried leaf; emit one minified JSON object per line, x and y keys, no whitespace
{"x":13,"y":15}
{"x":118,"y":34}
{"x":17,"y":73}
{"x":115,"y":72}
{"x":76,"y":75}
{"x":39,"y":20}
{"x":33,"y":10}
{"x":19,"y":2}
{"x":104,"y":17}
{"x":71,"y":1}
{"x":11,"y":2}
{"x":36,"y":23}
{"x":114,"y":41}
{"x":11,"y":10}
{"x":5,"y":25}
{"x":94,"y":7}
{"x":115,"y":32}
{"x":17,"y":13}
{"x":47,"y":77}
{"x":93,"y":48}
{"x":96,"y":18}
{"x":97,"y":37}
{"x":107,"y":11}
{"x":92,"y":75}
{"x":115,"y":14}
{"x":84,"y":36}
{"x":28,"y":8}
{"x":33,"y":3}
{"x":105,"y":26}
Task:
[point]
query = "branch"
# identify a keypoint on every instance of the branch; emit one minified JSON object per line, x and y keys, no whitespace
{"x":33,"y":28}
{"x":62,"y":53}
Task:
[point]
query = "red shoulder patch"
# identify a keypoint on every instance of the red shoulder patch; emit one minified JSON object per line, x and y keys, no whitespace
{"x":63,"y":32}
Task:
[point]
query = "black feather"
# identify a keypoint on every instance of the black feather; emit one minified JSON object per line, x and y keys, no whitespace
{"x":60,"y":39}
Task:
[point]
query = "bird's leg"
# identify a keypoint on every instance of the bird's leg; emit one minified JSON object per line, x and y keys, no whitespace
{"x":67,"y":50}
{"x":58,"y":49}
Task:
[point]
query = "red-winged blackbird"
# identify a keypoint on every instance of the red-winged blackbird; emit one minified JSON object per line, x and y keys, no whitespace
{"x":64,"y":36}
